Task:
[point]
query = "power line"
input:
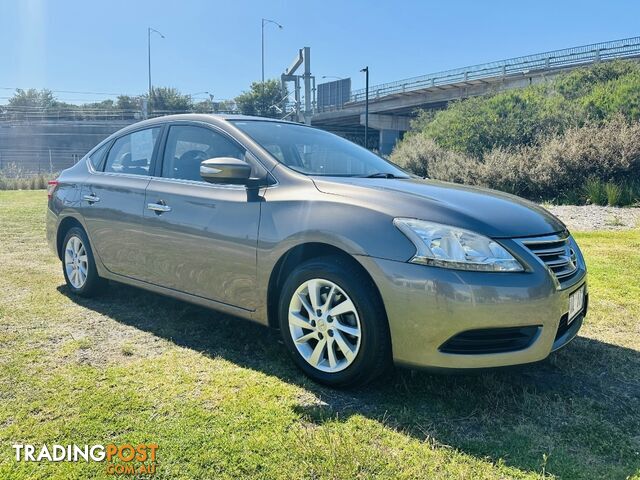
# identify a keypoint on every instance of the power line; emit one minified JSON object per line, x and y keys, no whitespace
{"x":71,"y":91}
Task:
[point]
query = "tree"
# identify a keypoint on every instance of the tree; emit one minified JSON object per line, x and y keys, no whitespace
{"x":32,"y":98}
{"x":204,"y":106}
{"x":225,"y":106}
{"x":127,"y":102}
{"x":103,"y":105}
{"x":168,"y":99}
{"x":267,"y":104}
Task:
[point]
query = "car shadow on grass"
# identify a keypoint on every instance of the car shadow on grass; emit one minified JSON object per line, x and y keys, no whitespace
{"x":575,"y":415}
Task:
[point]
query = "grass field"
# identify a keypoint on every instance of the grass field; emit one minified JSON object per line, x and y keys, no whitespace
{"x":222,"y":400}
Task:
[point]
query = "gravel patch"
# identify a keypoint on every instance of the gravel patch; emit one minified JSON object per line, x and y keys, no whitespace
{"x":587,"y":218}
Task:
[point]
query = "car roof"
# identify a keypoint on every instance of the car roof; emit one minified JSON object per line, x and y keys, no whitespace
{"x":199,"y":117}
{"x":219,"y":119}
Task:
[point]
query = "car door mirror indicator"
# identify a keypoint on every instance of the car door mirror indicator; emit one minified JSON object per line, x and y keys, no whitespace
{"x":225,"y":170}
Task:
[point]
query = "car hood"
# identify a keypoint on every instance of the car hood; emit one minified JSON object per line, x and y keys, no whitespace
{"x":489,"y":212}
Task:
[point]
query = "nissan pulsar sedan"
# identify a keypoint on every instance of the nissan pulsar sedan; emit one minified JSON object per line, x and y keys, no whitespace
{"x":358,"y":264}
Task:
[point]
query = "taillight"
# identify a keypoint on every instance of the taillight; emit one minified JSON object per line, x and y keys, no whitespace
{"x":51,"y":186}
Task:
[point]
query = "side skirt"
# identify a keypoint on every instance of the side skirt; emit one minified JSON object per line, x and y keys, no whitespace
{"x":201,"y":301}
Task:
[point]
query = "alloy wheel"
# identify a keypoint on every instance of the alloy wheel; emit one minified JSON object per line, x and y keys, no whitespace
{"x":324,"y":325}
{"x":76,"y":262}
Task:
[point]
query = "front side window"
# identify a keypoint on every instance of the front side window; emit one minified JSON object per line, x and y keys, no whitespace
{"x":187,"y":146}
{"x":131,"y":154}
{"x":316,"y":152}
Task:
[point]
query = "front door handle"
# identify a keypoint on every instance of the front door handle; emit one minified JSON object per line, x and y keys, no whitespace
{"x":159,"y":207}
{"x":91,"y":198}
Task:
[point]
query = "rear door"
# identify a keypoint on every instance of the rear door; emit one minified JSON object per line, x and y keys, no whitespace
{"x":113,"y":202}
{"x":201,"y":238}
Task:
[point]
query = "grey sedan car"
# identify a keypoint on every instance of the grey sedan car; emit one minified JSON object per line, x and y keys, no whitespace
{"x":359,"y":264}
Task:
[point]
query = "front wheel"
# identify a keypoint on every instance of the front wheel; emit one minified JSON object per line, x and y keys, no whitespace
{"x":333,"y":323}
{"x":78,"y":264}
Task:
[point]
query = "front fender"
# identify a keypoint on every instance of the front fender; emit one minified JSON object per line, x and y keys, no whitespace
{"x":357,"y":229}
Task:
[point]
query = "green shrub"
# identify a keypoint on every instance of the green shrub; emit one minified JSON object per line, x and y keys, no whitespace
{"x":561,"y":141}
{"x":43,"y":181}
{"x":525,"y":117}
{"x":36,"y":182}
{"x":631,"y":193}
{"x":511,"y":171}
{"x":573,"y":197}
{"x":477,"y":125}
{"x":562,"y":168}
{"x":614,"y":194}
{"x":621,"y":95}
{"x":594,"y":189}
{"x":423,"y":157}
{"x":580,"y":82}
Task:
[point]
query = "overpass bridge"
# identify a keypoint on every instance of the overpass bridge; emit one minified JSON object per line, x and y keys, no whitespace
{"x":392,"y":105}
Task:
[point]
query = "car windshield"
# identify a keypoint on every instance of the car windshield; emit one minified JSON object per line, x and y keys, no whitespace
{"x":316,"y":152}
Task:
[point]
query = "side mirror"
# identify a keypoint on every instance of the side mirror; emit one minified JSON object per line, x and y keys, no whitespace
{"x":225,"y":170}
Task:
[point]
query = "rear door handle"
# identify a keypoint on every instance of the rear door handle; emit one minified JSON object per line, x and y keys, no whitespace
{"x":159,"y":207}
{"x":91,"y":198}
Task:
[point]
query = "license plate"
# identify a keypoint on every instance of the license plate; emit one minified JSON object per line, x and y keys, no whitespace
{"x":576,"y":302}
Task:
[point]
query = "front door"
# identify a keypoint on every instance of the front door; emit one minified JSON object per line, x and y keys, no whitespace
{"x":201,"y":238}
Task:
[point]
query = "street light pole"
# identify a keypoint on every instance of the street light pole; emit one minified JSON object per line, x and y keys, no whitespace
{"x":149,"y":57}
{"x":366,"y":107}
{"x":149,"y":31}
{"x":264,"y":22}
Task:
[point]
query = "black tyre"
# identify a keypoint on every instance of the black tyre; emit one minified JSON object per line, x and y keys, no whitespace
{"x":78,"y":264}
{"x":333,"y":322}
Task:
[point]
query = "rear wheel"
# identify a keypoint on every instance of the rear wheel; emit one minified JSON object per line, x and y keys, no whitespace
{"x":78,"y":264}
{"x":333,"y":323}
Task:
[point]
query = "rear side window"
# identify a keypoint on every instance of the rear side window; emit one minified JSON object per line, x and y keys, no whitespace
{"x":97,"y":158}
{"x":131,"y":154}
{"x":188,"y":145}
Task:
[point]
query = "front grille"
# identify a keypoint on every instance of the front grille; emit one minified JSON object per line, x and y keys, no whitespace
{"x":556,"y":253}
{"x":490,"y":340}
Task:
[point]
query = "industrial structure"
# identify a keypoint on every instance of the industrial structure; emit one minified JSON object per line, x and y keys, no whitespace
{"x":289,"y":75}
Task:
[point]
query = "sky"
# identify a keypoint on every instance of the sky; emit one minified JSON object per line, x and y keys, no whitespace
{"x":100,"y":47}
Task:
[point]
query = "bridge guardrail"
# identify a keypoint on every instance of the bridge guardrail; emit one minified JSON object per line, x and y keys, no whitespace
{"x":628,"y":47}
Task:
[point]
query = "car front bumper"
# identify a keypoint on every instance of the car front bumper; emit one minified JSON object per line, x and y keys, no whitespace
{"x":429,"y":306}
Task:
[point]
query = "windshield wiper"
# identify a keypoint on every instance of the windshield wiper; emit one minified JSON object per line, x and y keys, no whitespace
{"x":381,"y":175}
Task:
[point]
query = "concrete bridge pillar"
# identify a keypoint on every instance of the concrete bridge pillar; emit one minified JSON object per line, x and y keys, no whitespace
{"x":388,"y":140}
{"x":390,"y":127}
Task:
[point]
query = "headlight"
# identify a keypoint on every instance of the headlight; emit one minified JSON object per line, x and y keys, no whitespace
{"x":452,"y":247}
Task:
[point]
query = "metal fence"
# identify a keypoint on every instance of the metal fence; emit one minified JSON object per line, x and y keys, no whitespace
{"x":10,"y":114}
{"x":26,"y":162}
{"x":16,"y":115}
{"x":628,"y":47}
